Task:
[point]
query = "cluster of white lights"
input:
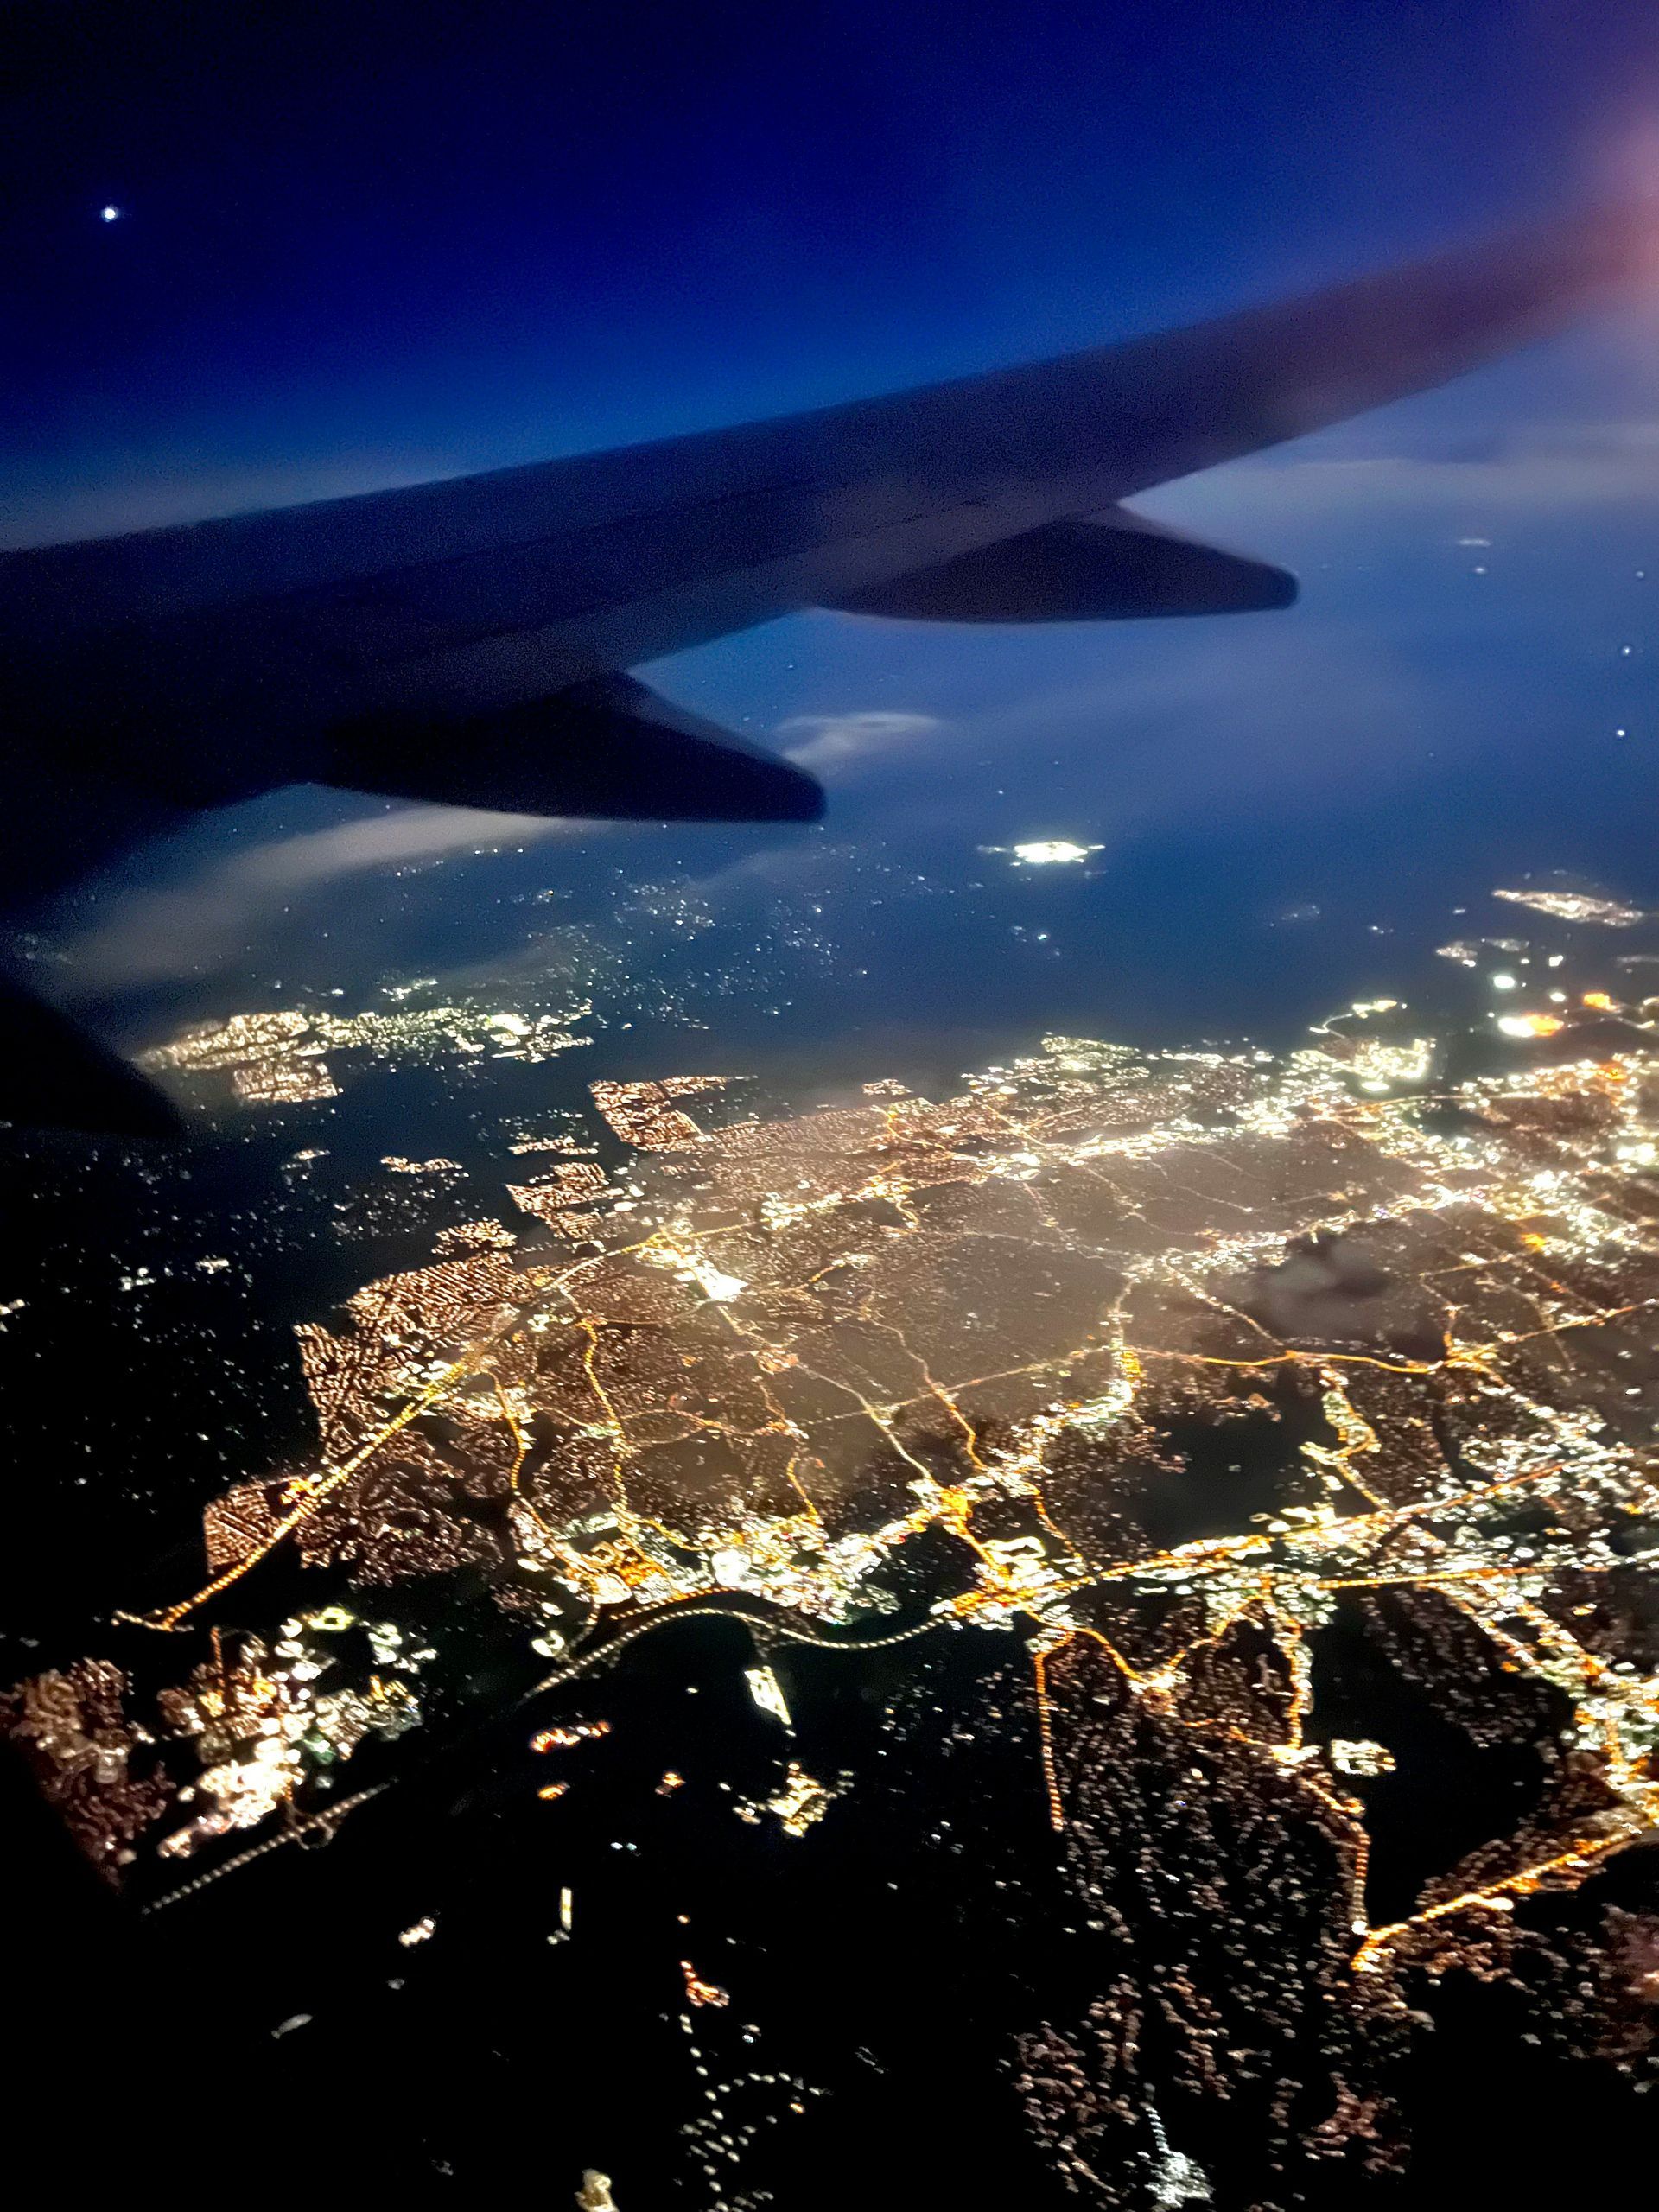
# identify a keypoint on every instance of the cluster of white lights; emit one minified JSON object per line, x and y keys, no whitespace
{"x":1051,"y":852}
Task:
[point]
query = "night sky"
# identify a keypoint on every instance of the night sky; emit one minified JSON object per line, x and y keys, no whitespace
{"x":361,"y":246}
{"x":367,"y":243}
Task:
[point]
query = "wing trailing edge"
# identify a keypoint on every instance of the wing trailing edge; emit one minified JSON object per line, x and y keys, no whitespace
{"x":1113,"y":568}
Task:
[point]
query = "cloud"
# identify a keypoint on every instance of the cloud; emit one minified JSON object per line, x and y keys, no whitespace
{"x":1547,"y":470}
{"x":1332,"y":1290}
{"x":1207,"y":726}
{"x":194,"y":926}
{"x":833,"y":741}
{"x":1107,"y":733}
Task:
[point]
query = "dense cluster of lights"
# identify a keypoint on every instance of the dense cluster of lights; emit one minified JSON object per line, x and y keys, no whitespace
{"x":288,"y":1055}
{"x":771,"y":1355}
{"x":1575,"y":906}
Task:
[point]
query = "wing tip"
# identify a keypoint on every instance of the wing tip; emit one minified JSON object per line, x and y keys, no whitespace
{"x":1281,"y":588}
{"x":801,"y":797}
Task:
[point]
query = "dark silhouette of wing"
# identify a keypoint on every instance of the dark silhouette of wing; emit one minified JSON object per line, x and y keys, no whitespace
{"x":468,"y":640}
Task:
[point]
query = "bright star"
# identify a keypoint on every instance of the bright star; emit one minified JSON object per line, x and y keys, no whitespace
{"x":109,"y":215}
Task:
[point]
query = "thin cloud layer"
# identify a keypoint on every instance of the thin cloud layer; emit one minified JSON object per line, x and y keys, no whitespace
{"x":1400,"y":664}
{"x":827,"y":743}
{"x":195,"y":925}
{"x":1331,"y":1289}
{"x":1539,"y":471}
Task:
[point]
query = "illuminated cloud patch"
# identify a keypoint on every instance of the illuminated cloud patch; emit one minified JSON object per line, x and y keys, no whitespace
{"x":194,"y":926}
{"x":1045,"y":852}
{"x":829,"y":742}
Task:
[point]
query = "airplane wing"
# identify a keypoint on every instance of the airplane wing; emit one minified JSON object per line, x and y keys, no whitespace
{"x":469,"y":640}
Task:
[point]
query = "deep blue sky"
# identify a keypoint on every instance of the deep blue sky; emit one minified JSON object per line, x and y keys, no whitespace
{"x":361,"y":245}
{"x":368,"y":242}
